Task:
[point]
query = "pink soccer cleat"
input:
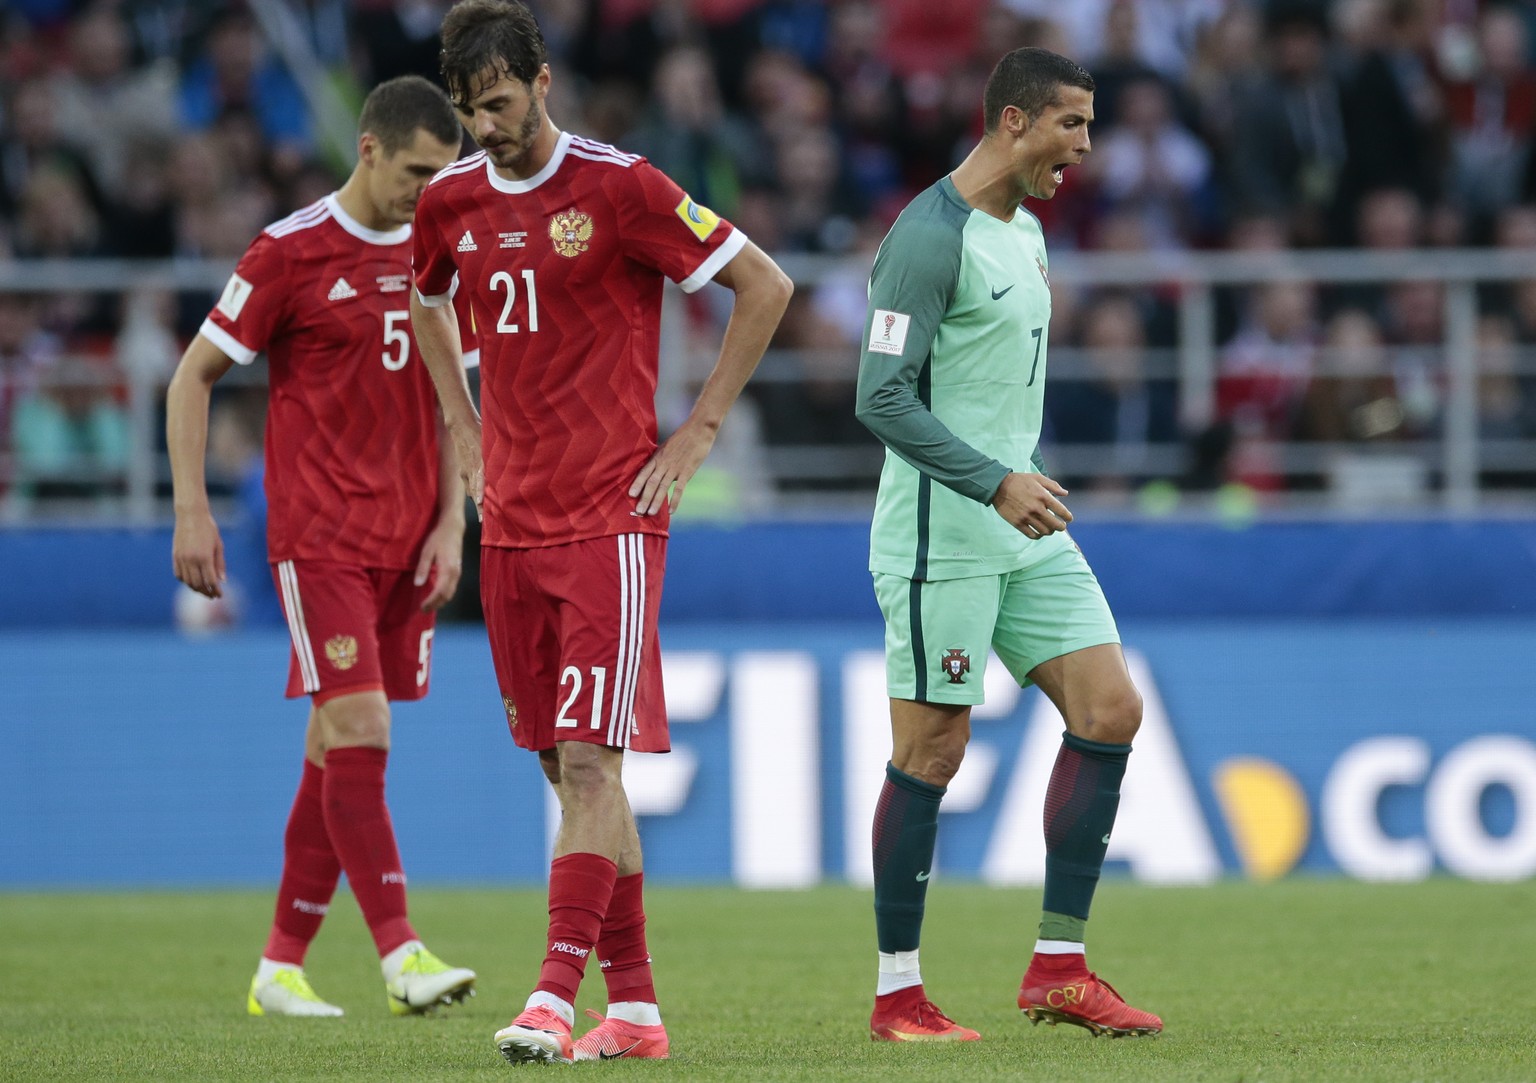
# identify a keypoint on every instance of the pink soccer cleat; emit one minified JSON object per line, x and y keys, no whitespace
{"x":613,"y":1039}
{"x":538,"y":1035}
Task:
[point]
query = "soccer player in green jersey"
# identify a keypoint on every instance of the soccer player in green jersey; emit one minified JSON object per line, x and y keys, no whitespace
{"x":969,"y":549}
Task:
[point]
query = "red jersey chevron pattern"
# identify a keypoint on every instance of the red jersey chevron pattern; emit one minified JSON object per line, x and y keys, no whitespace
{"x":565,"y":271}
{"x":351,"y":443}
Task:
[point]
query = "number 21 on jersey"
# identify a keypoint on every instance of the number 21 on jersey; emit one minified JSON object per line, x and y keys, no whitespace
{"x":503,"y":280}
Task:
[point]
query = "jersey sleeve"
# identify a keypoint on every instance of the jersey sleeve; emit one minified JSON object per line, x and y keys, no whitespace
{"x":664,"y":228}
{"x":911,"y":287}
{"x":251,"y":310}
{"x":432,"y":265}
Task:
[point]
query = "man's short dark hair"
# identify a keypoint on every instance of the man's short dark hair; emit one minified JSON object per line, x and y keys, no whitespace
{"x":1030,"y":79}
{"x":395,"y":109}
{"x":500,"y":37}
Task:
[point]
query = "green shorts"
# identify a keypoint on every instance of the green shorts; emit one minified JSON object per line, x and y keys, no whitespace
{"x":939,"y":634}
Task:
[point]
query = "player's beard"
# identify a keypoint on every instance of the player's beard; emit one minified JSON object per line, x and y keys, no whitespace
{"x":516,"y":150}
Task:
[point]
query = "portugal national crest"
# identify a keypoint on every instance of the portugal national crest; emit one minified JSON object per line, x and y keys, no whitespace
{"x":570,"y":230}
{"x":955,"y":664}
{"x":342,"y":651}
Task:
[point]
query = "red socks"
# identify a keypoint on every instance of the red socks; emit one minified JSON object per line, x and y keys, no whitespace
{"x":364,"y":839}
{"x":310,"y":872}
{"x":621,"y":950}
{"x":581,"y":887}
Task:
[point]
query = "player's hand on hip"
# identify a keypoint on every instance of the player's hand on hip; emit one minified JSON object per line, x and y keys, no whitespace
{"x":441,"y":561}
{"x":1031,"y":503}
{"x":663,"y":478}
{"x":197,"y":554}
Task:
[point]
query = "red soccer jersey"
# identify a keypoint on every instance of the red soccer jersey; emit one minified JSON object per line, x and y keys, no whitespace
{"x":351,"y":446}
{"x":565,"y":270}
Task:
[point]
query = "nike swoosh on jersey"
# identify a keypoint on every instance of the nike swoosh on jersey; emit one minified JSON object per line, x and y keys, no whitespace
{"x":997,"y":295}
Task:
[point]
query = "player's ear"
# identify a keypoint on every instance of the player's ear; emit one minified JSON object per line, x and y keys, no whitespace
{"x":368,"y":149}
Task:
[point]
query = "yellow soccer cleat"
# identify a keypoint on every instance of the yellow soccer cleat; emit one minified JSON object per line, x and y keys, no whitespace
{"x":424,"y":982}
{"x":287,"y":992}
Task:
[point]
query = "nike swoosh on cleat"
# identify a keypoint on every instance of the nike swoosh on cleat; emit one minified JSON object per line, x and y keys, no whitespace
{"x":921,"y":877}
{"x":620,"y":1053}
{"x":997,"y":295}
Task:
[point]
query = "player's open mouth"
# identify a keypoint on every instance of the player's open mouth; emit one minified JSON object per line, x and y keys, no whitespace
{"x":1058,"y":170}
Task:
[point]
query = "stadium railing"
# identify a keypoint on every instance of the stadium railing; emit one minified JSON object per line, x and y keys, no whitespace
{"x":1453,"y":465}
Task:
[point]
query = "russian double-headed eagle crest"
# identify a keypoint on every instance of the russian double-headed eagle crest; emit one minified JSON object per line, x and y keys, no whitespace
{"x":570,"y":230}
{"x":956,"y":664}
{"x":510,"y":705}
{"x":342,"y":651}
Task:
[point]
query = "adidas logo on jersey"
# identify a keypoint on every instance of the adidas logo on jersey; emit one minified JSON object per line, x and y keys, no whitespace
{"x":467,"y":243}
{"x":341,"y":291}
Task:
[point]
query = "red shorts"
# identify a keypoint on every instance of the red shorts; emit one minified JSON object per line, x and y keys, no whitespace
{"x":355,"y":629}
{"x":573,"y":638}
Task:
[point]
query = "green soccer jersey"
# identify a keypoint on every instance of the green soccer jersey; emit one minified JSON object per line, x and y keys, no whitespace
{"x":951,"y":381}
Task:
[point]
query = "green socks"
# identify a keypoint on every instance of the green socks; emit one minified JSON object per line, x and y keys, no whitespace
{"x":1080,"y":807}
{"x":906,"y":826}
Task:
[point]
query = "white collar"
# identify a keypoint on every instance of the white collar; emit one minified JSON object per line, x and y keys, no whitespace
{"x":398,"y":235}
{"x":515,"y":187}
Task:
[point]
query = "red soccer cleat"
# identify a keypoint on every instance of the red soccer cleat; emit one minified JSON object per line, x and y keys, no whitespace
{"x":612,"y":1039}
{"x":907,"y":1015}
{"x":1084,"y":1000}
{"x":539,"y":1034}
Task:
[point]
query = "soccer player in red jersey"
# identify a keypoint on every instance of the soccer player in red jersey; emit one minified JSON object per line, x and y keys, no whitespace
{"x":365,"y":523}
{"x":563,"y":244}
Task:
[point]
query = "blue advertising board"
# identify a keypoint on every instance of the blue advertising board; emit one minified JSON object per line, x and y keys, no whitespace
{"x":1385,"y":750}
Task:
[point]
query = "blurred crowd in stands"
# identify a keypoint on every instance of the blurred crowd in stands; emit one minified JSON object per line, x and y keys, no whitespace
{"x":164,"y":128}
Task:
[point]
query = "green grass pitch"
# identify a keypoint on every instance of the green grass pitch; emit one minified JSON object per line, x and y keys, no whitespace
{"x":1301,"y":980}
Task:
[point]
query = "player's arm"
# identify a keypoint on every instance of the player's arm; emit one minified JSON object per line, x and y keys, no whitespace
{"x":911,"y":287}
{"x":437,"y":338}
{"x":762,"y":294}
{"x":444,"y":548}
{"x":197,"y":550}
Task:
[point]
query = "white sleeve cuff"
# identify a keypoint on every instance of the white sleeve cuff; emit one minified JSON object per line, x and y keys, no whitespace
{"x":441,"y":299}
{"x":717,"y":259}
{"x":227,"y":343}
{"x":472,"y":359}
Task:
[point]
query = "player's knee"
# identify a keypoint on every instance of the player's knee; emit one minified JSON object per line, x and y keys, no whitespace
{"x":1116,"y":720}
{"x":584,"y":771}
{"x":549,"y":761}
{"x":355,"y":721}
{"x":360,"y":736}
{"x":937,"y":763}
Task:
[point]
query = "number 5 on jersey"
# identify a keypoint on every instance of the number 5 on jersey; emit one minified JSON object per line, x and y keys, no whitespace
{"x":397,"y":340}
{"x":503,"y":280}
